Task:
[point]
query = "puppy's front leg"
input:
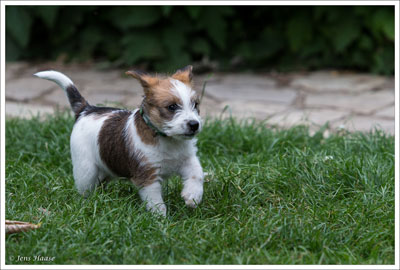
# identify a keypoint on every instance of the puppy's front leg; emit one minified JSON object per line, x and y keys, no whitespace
{"x":193,"y":179}
{"x":152,"y":196}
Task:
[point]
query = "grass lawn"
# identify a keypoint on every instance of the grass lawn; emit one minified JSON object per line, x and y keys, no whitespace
{"x":273,"y":197}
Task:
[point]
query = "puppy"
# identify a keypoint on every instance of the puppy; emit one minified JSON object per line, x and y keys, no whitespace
{"x":146,"y":145}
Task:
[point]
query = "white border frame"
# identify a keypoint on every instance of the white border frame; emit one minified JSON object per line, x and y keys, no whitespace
{"x":230,"y":3}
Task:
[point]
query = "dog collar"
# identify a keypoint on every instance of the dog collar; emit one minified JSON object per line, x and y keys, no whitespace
{"x":150,"y":124}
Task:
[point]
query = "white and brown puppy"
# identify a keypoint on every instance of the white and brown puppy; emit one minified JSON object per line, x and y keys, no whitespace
{"x":145,"y":145}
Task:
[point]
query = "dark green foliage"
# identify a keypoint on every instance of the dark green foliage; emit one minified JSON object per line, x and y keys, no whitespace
{"x":274,"y":197}
{"x":164,"y":38}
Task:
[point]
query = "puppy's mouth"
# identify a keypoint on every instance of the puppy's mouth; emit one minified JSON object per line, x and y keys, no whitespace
{"x":189,"y":135}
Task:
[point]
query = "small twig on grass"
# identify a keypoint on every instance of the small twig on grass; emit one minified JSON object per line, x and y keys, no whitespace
{"x":13,"y":226}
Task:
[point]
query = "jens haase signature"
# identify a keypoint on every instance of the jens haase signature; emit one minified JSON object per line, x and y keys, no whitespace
{"x":36,"y":258}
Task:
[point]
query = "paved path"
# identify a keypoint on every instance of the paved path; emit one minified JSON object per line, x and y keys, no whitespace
{"x":346,"y":100}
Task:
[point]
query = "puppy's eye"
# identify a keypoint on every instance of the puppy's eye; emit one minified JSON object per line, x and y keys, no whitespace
{"x":196,"y":105}
{"x":173,"y":107}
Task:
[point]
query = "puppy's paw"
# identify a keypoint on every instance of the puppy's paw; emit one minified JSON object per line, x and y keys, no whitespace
{"x":192,"y":194}
{"x":158,"y":209}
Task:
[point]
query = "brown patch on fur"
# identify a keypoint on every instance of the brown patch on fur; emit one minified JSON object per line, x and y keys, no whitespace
{"x":184,"y":75}
{"x":118,"y":153}
{"x":147,"y":177}
{"x":98,"y":112}
{"x":147,"y":134}
{"x":157,"y":100}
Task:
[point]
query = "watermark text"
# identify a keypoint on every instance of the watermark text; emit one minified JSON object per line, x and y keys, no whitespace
{"x":36,"y":258}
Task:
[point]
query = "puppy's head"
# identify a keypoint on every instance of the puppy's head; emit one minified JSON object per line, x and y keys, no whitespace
{"x":170,"y":103}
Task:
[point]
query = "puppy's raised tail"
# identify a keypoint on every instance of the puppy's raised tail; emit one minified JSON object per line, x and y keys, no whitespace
{"x":78,"y":103}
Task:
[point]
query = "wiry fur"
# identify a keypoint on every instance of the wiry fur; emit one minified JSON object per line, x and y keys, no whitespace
{"x":112,"y":142}
{"x":178,"y":123}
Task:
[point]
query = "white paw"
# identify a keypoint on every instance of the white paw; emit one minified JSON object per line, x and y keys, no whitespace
{"x":158,"y":209}
{"x":192,"y":194}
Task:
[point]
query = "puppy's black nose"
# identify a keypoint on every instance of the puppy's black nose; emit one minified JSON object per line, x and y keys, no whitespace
{"x":193,"y":125}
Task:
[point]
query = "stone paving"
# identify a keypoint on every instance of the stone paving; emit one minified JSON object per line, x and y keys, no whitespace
{"x":345,"y":100}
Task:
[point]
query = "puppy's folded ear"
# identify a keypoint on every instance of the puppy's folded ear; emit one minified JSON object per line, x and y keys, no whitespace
{"x":184,"y":75}
{"x":145,"y":79}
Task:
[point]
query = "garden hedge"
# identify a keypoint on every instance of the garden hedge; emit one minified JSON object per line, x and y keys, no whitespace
{"x":162,"y":38}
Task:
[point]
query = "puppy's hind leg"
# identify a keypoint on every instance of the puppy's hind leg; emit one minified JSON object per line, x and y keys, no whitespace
{"x":86,"y":175}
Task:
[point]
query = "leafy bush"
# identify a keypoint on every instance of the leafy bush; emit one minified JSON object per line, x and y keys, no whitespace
{"x":240,"y":37}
